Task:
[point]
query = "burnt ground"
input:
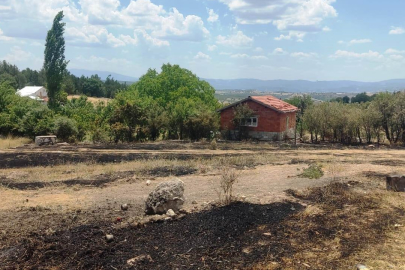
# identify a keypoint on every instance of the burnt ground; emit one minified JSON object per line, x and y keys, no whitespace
{"x":29,"y":156}
{"x":99,"y":180}
{"x":61,"y":223}
{"x":236,"y":236}
{"x":212,"y":239}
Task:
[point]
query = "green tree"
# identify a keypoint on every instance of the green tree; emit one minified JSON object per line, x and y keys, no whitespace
{"x":241,"y":113}
{"x":55,"y":63}
{"x":302,"y":103}
{"x":361,"y":98}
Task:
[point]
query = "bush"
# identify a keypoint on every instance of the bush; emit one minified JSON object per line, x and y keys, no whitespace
{"x":314,"y":171}
{"x":65,"y":129}
{"x":214,"y":145}
{"x":228,"y":178}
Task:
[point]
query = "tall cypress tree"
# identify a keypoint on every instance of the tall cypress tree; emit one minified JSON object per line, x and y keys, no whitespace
{"x":55,"y":63}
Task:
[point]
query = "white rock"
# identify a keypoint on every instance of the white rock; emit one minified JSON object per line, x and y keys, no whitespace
{"x":124,"y":207}
{"x":170,"y":213}
{"x":148,"y":183}
{"x":109,"y":238}
{"x":167,"y":195}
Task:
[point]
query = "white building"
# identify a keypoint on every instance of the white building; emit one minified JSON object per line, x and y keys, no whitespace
{"x":35,"y":92}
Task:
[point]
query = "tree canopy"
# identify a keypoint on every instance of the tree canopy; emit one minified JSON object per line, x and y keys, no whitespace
{"x":55,"y":63}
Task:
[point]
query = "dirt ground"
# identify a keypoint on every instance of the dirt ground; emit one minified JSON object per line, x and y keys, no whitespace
{"x":58,"y":202}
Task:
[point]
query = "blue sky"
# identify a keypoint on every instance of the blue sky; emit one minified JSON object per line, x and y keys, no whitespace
{"x":223,"y":39}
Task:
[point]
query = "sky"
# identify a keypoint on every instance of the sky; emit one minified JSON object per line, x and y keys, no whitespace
{"x":361,"y":40}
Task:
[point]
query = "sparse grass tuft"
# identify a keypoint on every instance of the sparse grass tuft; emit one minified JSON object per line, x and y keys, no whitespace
{"x":314,"y":171}
{"x":10,"y":142}
{"x":214,"y":145}
{"x":229,"y":177}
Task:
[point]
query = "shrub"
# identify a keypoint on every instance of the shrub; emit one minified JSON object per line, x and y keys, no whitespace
{"x":65,"y":129}
{"x":214,"y":145}
{"x":229,"y":177}
{"x":314,"y":171}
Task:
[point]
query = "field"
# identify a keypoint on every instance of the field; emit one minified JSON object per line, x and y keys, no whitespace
{"x":59,"y":202}
{"x":93,"y":100}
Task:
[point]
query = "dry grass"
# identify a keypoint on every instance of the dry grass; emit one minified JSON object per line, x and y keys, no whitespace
{"x":10,"y":142}
{"x":342,"y":227}
{"x":93,"y":100}
{"x":140,"y":168}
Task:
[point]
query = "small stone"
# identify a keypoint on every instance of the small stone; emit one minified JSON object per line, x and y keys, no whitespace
{"x":362,"y":267}
{"x":124,"y":207}
{"x":170,"y":213}
{"x":148,"y":183}
{"x":194,"y":202}
{"x":109,"y":238}
{"x":141,"y":259}
{"x":267,"y":234}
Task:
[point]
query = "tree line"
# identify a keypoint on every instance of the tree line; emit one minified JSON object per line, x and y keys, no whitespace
{"x":92,"y":86}
{"x":380,"y":119}
{"x":172,"y":104}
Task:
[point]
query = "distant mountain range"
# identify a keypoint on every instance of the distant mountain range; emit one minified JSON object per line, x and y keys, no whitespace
{"x":292,"y":86}
{"x":102,"y":74}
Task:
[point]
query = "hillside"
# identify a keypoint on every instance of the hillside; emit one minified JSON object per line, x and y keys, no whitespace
{"x":292,"y":86}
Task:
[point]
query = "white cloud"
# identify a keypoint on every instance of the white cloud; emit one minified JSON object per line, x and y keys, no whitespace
{"x":359,"y":41}
{"x":370,"y":55}
{"x":102,"y":14}
{"x":176,"y":26}
{"x":326,"y":29}
{"x":341,"y":42}
{"x":304,"y":55}
{"x":212,"y":47}
{"x":148,"y":39}
{"x":396,"y":57}
{"x":258,"y":49}
{"x":235,"y":40}
{"x":292,"y":34}
{"x":394,"y":51}
{"x":18,"y":56}
{"x":212,"y":16}
{"x":202,"y":56}
{"x":287,"y":15}
{"x":246,"y":56}
{"x":279,"y":51}
{"x":3,"y":37}
{"x":259,"y":57}
{"x":240,"y":55}
{"x":396,"y":30}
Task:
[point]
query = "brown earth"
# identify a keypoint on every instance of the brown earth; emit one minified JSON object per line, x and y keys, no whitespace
{"x":56,"y":217}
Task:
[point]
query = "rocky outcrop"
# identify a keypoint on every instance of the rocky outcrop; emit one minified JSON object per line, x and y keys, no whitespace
{"x":167,"y":195}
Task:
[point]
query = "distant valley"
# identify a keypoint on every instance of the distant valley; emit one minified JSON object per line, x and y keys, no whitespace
{"x":291,"y":86}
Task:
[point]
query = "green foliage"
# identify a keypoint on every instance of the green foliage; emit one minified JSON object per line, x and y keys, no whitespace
{"x":241,"y":112}
{"x":172,"y":103}
{"x":65,"y":129}
{"x":83,"y":113}
{"x":362,"y":98}
{"x":302,"y":103}
{"x":314,"y":171}
{"x":38,"y":121}
{"x":55,"y":63}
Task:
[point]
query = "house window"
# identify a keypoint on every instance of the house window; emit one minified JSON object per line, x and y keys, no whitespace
{"x":250,"y":122}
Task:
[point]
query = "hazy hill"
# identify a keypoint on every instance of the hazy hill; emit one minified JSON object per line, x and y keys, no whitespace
{"x":295,"y":86}
{"x":102,"y":74}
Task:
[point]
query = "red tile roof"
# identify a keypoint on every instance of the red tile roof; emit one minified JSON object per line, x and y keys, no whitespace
{"x":274,"y":103}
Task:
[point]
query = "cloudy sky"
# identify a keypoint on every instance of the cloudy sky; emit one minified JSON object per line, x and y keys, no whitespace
{"x":223,"y":39}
